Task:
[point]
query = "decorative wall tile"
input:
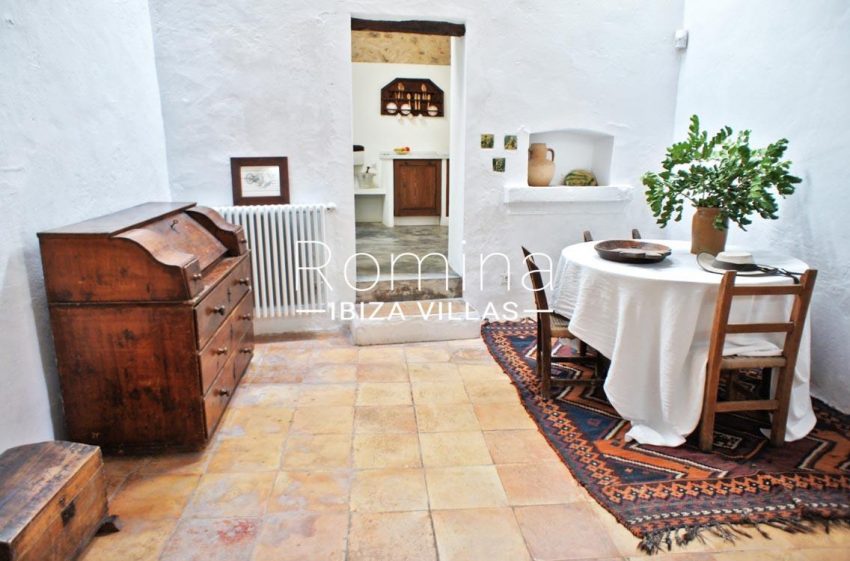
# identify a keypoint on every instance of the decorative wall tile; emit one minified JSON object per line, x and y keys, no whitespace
{"x":510,"y":142}
{"x":487,"y":140}
{"x":499,"y":165}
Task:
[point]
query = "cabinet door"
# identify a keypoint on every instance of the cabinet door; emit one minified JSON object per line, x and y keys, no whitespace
{"x":416,"y":187}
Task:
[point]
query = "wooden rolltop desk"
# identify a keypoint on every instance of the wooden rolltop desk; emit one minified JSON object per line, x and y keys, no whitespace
{"x":151,"y":310}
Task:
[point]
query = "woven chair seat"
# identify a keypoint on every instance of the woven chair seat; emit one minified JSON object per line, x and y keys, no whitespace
{"x":560,"y":326}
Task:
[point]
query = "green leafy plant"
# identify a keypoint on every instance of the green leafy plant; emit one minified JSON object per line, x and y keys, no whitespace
{"x":720,"y":171}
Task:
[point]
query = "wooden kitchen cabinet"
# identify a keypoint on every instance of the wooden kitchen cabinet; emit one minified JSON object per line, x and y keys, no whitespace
{"x":416,"y":187}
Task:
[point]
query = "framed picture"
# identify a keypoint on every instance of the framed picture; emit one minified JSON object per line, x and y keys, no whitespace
{"x":260,"y":181}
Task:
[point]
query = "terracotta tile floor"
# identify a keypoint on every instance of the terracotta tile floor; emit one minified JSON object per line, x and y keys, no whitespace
{"x":405,"y":452}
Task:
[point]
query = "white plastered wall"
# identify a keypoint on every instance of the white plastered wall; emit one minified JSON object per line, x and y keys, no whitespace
{"x":782,"y":69}
{"x":604,"y":67}
{"x":268,"y":79}
{"x":80,"y":135}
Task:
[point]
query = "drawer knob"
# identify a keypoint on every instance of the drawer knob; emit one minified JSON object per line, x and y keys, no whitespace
{"x":246,"y":317}
{"x":197,"y":276}
{"x":223,"y":392}
{"x":246,"y":281}
{"x":221,"y":350}
{"x":219,"y":310}
{"x":247,"y":350}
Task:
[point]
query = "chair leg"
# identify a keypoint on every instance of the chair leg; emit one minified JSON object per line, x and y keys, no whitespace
{"x":764,"y":387}
{"x":784,"y":382}
{"x":597,"y":366}
{"x":709,"y":410}
{"x":546,"y":362}
{"x":539,"y":353}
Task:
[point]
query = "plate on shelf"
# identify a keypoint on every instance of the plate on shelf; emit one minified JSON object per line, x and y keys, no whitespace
{"x":632,"y":251}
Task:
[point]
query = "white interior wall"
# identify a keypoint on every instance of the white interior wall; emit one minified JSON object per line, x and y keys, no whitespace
{"x":782,"y":69}
{"x":265,"y":80}
{"x":81,"y":135}
{"x":603,"y":66}
{"x":457,"y":153}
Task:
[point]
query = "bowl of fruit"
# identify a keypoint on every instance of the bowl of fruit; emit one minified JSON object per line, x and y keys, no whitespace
{"x":402,"y":150}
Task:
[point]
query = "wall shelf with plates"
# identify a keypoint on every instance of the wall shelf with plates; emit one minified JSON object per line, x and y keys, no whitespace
{"x":412,"y":97}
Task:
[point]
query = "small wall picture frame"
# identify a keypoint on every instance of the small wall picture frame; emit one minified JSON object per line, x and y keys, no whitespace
{"x":487,"y":141}
{"x":511,"y":142}
{"x":260,"y":181}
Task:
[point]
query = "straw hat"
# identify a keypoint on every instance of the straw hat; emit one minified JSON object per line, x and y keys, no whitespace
{"x":741,"y":262}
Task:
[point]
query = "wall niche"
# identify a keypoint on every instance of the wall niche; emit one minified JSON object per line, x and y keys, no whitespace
{"x":578,"y":149}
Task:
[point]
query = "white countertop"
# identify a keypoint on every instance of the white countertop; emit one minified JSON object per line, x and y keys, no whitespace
{"x":413,"y":155}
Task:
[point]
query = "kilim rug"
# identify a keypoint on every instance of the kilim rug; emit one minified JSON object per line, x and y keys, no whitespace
{"x":668,"y":496}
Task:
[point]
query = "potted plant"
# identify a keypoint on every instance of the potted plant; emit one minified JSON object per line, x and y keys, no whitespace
{"x":724,"y":178}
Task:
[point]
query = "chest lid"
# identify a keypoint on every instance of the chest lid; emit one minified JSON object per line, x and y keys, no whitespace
{"x":36,"y":482}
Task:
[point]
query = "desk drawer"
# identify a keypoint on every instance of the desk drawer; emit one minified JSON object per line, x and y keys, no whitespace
{"x":219,"y":394}
{"x":244,"y":354}
{"x":215,"y":354}
{"x":211,"y":312}
{"x":240,"y":281}
{"x":243,"y":319}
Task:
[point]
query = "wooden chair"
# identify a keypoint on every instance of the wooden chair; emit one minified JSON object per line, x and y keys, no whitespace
{"x":588,"y":237}
{"x":783,"y":364}
{"x":549,"y":325}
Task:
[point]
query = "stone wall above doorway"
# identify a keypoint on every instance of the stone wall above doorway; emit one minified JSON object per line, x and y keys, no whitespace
{"x":400,"y":48}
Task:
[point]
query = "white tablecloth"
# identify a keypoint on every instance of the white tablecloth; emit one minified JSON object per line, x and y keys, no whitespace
{"x":654,"y":323}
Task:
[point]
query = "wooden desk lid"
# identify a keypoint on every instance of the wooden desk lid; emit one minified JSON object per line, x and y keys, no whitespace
{"x":180,"y":234}
{"x":37,"y":481}
{"x":117,"y":222}
{"x":150,"y":252}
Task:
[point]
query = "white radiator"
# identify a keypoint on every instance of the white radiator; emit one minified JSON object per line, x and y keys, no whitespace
{"x":281,"y":239}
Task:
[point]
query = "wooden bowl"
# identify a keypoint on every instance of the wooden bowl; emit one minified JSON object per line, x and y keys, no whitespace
{"x":632,"y":251}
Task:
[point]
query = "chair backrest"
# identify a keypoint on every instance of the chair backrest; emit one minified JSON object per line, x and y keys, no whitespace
{"x":588,"y":237}
{"x":793,"y":328}
{"x":536,"y":282}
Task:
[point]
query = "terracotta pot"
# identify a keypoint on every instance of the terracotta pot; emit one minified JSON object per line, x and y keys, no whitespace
{"x":705,"y":238}
{"x":540,"y":169}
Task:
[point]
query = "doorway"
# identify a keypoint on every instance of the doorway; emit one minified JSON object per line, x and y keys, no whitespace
{"x":407,"y":134}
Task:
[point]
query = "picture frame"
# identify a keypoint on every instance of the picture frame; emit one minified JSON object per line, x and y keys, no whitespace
{"x":260,"y":181}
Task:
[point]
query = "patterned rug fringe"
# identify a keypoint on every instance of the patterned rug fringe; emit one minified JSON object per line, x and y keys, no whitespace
{"x":660,"y":540}
{"x":830,"y":509}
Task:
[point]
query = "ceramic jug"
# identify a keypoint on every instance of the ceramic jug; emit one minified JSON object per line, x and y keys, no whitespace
{"x":540,"y":169}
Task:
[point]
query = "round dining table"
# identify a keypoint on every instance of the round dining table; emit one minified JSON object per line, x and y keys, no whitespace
{"x":653,"y":321}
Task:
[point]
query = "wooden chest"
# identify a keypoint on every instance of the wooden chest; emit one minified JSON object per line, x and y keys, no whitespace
{"x":152,"y":317}
{"x":52,"y":500}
